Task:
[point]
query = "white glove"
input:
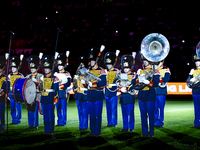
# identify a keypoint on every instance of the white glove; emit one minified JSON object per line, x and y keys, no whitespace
{"x":75,"y":77}
{"x":123,"y":90}
{"x":141,"y":77}
{"x":90,"y":84}
{"x":191,"y":72}
{"x":138,"y":71}
{"x":34,"y":79}
{"x":192,"y":80}
{"x":83,"y":81}
{"x":146,"y":81}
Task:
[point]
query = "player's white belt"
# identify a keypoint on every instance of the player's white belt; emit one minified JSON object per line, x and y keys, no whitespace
{"x":109,"y":85}
{"x":49,"y":90}
{"x":83,"y":89}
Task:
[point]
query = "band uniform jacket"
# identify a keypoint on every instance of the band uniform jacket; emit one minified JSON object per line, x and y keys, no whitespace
{"x":3,"y":87}
{"x":95,"y":92}
{"x":196,"y":89}
{"x":126,"y":98}
{"x":12,"y":77}
{"x":164,"y":77}
{"x":65,"y":82}
{"x":111,"y":87}
{"x":81,"y":93}
{"x":50,"y":89}
{"x":148,"y":93}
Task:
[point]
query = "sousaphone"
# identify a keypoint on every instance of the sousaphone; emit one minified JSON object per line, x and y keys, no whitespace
{"x":155,"y":48}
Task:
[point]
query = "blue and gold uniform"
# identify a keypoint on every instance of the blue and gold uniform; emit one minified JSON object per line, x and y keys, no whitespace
{"x":15,"y":106}
{"x":147,"y":99}
{"x":49,"y":96}
{"x":127,"y":100}
{"x":95,"y":94}
{"x":33,"y":109}
{"x":95,"y":97}
{"x":2,"y":94}
{"x":161,"y":93}
{"x":111,"y":89}
{"x":195,"y":82}
{"x":81,"y":96}
{"x":64,"y":83}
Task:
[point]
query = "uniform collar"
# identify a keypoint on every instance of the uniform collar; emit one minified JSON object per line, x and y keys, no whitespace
{"x":111,"y":69}
{"x":48,"y":75}
{"x":95,"y":67}
{"x":34,"y":74}
{"x":62,"y":71}
{"x":16,"y":72}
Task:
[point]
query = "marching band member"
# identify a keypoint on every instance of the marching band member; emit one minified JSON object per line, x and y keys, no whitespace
{"x":147,"y":97}
{"x":81,"y":96}
{"x":49,"y":95}
{"x":161,"y":92}
{"x":95,"y":93}
{"x":15,"y":106}
{"x":33,"y":109}
{"x":111,"y":88}
{"x":64,"y":83}
{"x":194,"y":81}
{"x":2,"y":93}
{"x":127,"y":100}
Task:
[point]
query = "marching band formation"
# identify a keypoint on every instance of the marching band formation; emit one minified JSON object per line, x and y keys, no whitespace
{"x":91,"y":85}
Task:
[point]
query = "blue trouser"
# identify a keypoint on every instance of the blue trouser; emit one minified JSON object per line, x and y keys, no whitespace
{"x":196,"y":100}
{"x":48,"y":116}
{"x":82,"y":114}
{"x":61,"y":107}
{"x":2,"y":116}
{"x":128,"y":116}
{"x":95,"y":112}
{"x":111,"y":107}
{"x":33,"y":116}
{"x":15,"y":111}
{"x":147,"y":108}
{"x":159,"y":110}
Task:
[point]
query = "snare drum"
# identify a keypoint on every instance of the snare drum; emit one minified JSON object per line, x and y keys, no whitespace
{"x":24,"y":90}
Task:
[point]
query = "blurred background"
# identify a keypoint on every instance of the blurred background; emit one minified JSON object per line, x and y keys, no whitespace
{"x":117,"y":24}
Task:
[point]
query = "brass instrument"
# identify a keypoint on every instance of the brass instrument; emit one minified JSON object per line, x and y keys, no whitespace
{"x":155,"y":48}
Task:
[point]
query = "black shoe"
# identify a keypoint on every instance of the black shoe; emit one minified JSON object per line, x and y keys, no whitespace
{"x":30,"y":127}
{"x":91,"y":135}
{"x":158,"y":126}
{"x":35,"y":127}
{"x":131,"y":130}
{"x":197,"y":127}
{"x":110,"y":126}
{"x":13,"y":123}
{"x":151,"y":136}
{"x":144,"y":136}
{"x":123,"y":130}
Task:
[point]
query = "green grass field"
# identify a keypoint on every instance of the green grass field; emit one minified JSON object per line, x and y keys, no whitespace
{"x":176,"y":134}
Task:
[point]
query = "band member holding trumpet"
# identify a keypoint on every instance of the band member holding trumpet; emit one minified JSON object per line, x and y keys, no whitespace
{"x":161,"y":92}
{"x":2,"y":93}
{"x":33,"y":109}
{"x":95,"y":93}
{"x":49,"y":95}
{"x":81,"y":95}
{"x":127,"y":99}
{"x":111,"y":88}
{"x":16,"y":107}
{"x":193,"y":82}
{"x":64,"y":83}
